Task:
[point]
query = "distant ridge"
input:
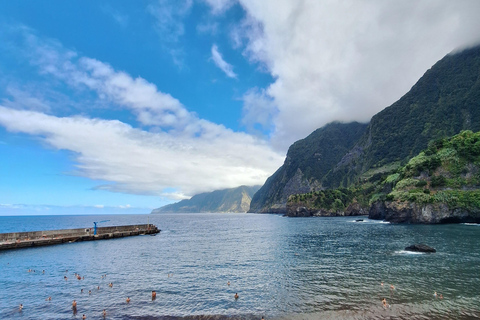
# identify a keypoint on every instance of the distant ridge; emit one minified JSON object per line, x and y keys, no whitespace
{"x":226,"y":200}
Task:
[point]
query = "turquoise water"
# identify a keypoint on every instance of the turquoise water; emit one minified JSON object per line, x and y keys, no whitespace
{"x":282,"y":268}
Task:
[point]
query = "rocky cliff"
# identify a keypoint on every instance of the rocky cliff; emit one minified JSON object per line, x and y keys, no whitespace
{"x":412,"y":212}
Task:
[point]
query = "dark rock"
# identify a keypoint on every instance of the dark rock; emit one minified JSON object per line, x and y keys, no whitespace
{"x":359,"y":220}
{"x":420,"y":248}
{"x":355,"y":209}
{"x":377,"y":211}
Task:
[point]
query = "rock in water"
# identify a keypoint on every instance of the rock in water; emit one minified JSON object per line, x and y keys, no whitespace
{"x":420,"y":248}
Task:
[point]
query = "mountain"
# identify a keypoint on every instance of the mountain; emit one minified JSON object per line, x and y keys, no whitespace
{"x":445,"y":101}
{"x":307,"y":161}
{"x":226,"y":200}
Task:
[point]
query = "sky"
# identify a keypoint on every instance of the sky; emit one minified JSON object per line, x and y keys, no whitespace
{"x":125,"y":106}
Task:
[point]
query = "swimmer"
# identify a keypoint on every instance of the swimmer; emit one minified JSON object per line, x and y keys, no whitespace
{"x":20,"y":307}
{"x":48,"y":299}
{"x":81,"y":291}
{"x":441,"y":296}
{"x":236,"y":296}
{"x":98,"y":287}
{"x":74,"y":304}
{"x":384,"y":301}
{"x":154,"y":295}
{"x":435,"y":294}
{"x":104,"y":313}
{"x":228,"y":283}
{"x":110,"y":284}
{"x":84,"y":317}
{"x":128,"y":299}
{"x":263,"y":318}
{"x":392,"y":287}
{"x":89,"y":291}
{"x":381,"y":283}
{"x":65,"y":277}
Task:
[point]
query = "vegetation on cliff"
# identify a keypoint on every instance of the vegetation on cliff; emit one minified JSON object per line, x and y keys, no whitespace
{"x":448,"y":172}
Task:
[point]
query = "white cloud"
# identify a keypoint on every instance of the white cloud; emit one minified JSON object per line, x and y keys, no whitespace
{"x":222,"y":64}
{"x":208,"y":28}
{"x":168,"y":18}
{"x":347,"y":60}
{"x":140,"y":162}
{"x":168,"y":21}
{"x":24,"y":100}
{"x":120,"y":18}
{"x":180,"y":156}
{"x":220,"y":6}
{"x":258,"y":110}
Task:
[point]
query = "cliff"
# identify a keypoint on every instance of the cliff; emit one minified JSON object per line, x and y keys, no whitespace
{"x":307,"y":162}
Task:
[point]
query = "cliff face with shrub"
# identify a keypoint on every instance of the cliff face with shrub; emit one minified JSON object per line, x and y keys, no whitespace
{"x":440,"y":185}
{"x":307,"y":162}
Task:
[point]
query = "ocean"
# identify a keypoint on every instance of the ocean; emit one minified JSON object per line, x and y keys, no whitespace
{"x":281,"y":268}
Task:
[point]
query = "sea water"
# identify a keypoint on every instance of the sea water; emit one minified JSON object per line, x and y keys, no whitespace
{"x":281,"y":268}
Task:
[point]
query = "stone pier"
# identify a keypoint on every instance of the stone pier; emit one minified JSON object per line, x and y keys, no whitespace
{"x":16,"y":240}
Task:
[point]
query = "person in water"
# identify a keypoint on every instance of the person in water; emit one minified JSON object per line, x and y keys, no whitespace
{"x":104,"y":313}
{"x":74,"y":304}
{"x":384,"y":301}
{"x":236,"y":296}
{"x":20,"y":307}
{"x":154,"y":295}
{"x":84,"y":317}
{"x":128,"y":299}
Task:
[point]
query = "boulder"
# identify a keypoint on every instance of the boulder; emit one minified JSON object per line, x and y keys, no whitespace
{"x":420,"y":248}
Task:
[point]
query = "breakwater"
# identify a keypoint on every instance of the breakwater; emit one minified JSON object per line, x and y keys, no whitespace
{"x":16,"y":240}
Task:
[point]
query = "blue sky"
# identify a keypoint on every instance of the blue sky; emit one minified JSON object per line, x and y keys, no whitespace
{"x":125,"y":106}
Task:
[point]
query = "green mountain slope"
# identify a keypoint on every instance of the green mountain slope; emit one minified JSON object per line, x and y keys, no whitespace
{"x":307,"y":161}
{"x":226,"y":200}
{"x":441,"y":184}
{"x":443,"y":102}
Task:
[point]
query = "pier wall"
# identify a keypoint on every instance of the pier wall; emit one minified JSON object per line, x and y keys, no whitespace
{"x":49,"y":237}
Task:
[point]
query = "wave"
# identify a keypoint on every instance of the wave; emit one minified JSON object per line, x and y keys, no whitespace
{"x":406,"y":252}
